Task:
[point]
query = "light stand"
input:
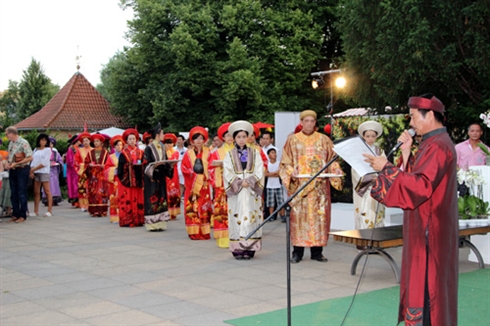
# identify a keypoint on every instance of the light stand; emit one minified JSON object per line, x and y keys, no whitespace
{"x":315,"y":84}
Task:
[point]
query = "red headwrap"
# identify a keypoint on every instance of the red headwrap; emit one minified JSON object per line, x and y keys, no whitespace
{"x":84,"y":135}
{"x":171,"y":137}
{"x":146,"y":135}
{"x":433,"y":104}
{"x":328,"y":129}
{"x":97,"y":136}
{"x":130,"y":131}
{"x":115,"y":139}
{"x":198,"y":130}
{"x":223,"y":129}
{"x":298,"y":128}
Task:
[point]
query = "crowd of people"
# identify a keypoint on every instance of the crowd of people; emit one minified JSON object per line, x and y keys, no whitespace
{"x":228,"y":186}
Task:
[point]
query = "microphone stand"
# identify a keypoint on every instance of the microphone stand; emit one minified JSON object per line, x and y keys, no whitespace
{"x":288,"y":237}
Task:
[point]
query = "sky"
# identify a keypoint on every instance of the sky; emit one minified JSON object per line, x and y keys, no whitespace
{"x":54,"y":32}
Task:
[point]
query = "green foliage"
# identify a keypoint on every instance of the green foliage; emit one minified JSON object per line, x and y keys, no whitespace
{"x":62,"y":145}
{"x":31,"y":137}
{"x":35,"y":90}
{"x":9,"y":104}
{"x":396,"y":49}
{"x":197,"y":62}
{"x":484,"y":148}
{"x":470,"y":206}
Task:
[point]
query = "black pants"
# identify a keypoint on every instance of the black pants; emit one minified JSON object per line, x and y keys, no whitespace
{"x":18,"y":179}
{"x":314,"y":251}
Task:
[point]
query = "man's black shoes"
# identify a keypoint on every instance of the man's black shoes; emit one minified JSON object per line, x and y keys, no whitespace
{"x":320,"y":258}
{"x":295,"y":259}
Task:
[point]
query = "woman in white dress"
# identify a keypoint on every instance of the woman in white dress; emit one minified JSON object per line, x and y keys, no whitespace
{"x":366,"y":211}
{"x":243,"y":176}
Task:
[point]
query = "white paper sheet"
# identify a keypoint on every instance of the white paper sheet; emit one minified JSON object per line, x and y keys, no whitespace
{"x":351,"y":150}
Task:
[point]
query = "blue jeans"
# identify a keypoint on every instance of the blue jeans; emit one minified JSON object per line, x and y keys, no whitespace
{"x":18,"y":179}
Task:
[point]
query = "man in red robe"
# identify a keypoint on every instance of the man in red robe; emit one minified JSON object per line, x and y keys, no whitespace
{"x":424,"y":186}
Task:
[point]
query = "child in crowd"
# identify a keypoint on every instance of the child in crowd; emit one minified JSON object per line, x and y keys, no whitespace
{"x":274,"y":197}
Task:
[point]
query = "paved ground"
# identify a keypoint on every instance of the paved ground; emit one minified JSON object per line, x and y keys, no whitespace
{"x":77,"y":270}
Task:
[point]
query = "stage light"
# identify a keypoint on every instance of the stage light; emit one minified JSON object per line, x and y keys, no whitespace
{"x":317,"y":82}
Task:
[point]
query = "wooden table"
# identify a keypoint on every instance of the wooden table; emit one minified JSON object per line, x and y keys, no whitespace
{"x":378,"y":239}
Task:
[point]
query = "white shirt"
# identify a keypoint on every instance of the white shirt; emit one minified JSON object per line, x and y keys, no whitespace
{"x":41,"y":156}
{"x":273,"y":182}
{"x":179,"y":168}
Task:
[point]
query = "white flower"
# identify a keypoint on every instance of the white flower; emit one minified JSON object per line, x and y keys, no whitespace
{"x":470,"y":178}
{"x":486,"y":118}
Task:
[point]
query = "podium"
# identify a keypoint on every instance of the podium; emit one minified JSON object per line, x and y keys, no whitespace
{"x":482,"y":242}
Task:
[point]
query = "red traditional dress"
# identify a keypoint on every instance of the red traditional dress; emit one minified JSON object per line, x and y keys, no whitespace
{"x":96,"y":185}
{"x":197,"y":199}
{"x":110,"y":174}
{"x":427,"y":192}
{"x":220,"y":206}
{"x":130,"y":188}
{"x":80,"y":166}
{"x":173,"y":187}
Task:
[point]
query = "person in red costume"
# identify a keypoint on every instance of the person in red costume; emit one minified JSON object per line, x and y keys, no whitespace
{"x":197,"y":197}
{"x":97,"y":191}
{"x":130,"y":188}
{"x":424,"y":186}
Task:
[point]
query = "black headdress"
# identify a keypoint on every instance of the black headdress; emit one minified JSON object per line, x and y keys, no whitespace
{"x":156,"y":131}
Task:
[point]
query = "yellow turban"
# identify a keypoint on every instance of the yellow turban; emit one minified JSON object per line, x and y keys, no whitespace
{"x":307,"y":113}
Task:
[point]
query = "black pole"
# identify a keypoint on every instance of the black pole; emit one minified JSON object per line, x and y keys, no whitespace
{"x":288,"y":241}
{"x":288,"y":262}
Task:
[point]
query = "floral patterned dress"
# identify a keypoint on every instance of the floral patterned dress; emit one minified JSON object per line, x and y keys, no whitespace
{"x":130,"y":190}
{"x":156,"y":207}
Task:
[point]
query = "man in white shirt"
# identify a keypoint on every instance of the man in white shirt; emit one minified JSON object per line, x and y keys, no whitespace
{"x":266,"y":141}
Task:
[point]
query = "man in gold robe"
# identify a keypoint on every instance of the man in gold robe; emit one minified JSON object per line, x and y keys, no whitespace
{"x":304,"y":154}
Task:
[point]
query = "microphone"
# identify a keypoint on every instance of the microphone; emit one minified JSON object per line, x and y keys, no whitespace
{"x":397,"y":146}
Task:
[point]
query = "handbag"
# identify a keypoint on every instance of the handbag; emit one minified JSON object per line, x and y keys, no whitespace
{"x":198,"y":167}
{"x":19,"y":156}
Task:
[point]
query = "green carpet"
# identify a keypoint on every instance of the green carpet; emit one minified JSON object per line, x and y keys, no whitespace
{"x":380,"y":307}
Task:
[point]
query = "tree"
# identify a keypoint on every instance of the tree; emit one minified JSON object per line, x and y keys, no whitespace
{"x":396,"y":49}
{"x":35,"y":90}
{"x":9,"y":104}
{"x":196,"y":62}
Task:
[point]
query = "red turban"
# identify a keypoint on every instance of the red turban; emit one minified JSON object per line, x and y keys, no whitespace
{"x":433,"y":104}
{"x":115,"y":139}
{"x":298,"y":128}
{"x":223,"y":129}
{"x":171,"y":137}
{"x":198,"y":130}
{"x":328,"y":129}
{"x":130,"y":131}
{"x":97,"y":136}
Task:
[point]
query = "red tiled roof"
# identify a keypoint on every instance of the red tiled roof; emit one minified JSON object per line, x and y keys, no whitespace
{"x":77,"y":103}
